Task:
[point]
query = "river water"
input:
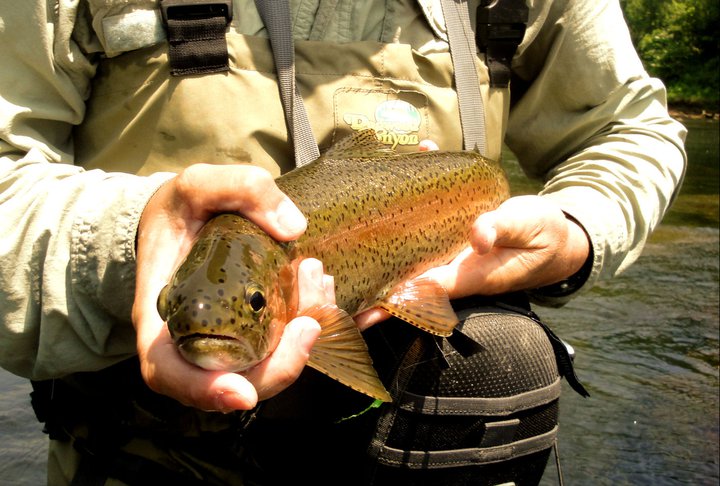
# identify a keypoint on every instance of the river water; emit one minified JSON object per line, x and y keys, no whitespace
{"x":647,"y":350}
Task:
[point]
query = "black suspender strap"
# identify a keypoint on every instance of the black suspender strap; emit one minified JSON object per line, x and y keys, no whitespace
{"x":500,"y":29}
{"x":196,"y":33}
{"x":275,"y":15}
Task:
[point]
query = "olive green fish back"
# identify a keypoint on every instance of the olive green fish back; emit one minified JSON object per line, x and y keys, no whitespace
{"x":376,"y":217}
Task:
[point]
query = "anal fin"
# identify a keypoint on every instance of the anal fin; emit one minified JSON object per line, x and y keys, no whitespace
{"x":424,"y":303}
{"x":341,"y":352}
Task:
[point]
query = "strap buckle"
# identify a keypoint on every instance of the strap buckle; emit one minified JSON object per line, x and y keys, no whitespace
{"x":500,"y":30}
{"x":501,"y":21}
{"x":196,"y":34}
{"x":196,"y":9}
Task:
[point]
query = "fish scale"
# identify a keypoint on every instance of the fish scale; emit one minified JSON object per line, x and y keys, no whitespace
{"x":376,"y":219}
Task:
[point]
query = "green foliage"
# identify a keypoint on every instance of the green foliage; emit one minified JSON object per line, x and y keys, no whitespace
{"x":678,"y":42}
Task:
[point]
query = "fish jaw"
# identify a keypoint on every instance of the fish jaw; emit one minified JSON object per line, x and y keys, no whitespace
{"x":219,"y":353}
{"x":235,"y":347}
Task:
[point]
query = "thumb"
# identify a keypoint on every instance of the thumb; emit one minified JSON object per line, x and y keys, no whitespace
{"x":483,"y":233}
{"x":519,"y":222}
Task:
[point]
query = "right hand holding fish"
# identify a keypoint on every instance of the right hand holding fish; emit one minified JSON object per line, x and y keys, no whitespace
{"x":168,"y":226}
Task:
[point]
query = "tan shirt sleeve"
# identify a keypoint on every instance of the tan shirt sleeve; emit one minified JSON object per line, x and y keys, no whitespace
{"x":590,"y":122}
{"x":67,"y":255}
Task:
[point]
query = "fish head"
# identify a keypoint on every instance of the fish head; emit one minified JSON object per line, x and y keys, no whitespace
{"x":225,"y":306}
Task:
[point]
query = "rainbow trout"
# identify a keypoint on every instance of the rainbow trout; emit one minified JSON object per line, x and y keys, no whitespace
{"x":376,"y":219}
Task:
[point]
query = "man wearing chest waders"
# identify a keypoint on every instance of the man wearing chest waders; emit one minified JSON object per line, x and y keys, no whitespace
{"x":125,"y":126}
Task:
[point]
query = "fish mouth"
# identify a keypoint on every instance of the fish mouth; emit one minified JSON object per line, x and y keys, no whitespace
{"x":217,"y":352}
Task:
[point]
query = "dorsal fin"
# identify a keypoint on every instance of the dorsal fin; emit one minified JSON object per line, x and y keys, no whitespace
{"x":362,"y":144}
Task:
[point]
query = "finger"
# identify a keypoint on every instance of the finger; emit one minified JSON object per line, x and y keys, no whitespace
{"x":248,"y":190}
{"x":483,"y":233}
{"x":285,"y":364}
{"x":311,"y":284}
{"x":427,"y":145}
{"x":370,"y":317}
{"x":329,"y":287}
{"x":468,"y":272}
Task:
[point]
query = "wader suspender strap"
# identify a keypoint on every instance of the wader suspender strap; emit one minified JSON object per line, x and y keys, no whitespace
{"x":467,"y":84}
{"x":275,"y":15}
{"x":196,"y":34}
{"x":500,"y":29}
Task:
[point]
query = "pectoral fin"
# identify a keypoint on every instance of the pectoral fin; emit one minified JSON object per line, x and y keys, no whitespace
{"x":341,"y":353}
{"x":424,"y":303}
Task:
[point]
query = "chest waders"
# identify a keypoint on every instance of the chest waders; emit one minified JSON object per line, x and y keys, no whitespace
{"x":478,"y":408}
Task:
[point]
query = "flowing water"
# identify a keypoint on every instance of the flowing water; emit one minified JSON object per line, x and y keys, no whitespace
{"x":647,"y":350}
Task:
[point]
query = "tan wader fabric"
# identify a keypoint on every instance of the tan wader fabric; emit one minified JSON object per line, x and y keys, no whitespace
{"x":141,"y":120}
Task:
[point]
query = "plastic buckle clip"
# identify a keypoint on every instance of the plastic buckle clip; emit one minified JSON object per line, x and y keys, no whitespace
{"x":503,"y":21}
{"x":500,"y":28}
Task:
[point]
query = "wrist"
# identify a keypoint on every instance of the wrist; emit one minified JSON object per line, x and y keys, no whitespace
{"x":581,"y":253}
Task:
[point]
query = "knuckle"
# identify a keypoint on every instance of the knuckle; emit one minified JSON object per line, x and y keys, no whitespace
{"x":187,"y":180}
{"x":254,"y":183}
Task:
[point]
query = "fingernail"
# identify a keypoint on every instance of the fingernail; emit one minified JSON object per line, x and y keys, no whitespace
{"x":328,"y":282}
{"x":309,"y":334}
{"x":484,"y":239}
{"x":313,"y":269}
{"x":290,"y":218}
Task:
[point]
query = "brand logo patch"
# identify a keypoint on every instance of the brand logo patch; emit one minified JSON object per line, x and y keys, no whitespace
{"x":396,"y":122}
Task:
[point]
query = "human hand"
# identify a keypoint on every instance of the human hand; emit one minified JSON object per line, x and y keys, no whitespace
{"x":526,"y":243}
{"x":167,"y":229}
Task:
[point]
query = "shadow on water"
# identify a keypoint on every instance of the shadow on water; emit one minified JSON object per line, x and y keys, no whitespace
{"x":23,"y":447}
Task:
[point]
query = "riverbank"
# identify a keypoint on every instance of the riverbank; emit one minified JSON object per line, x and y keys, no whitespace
{"x":695,"y":112}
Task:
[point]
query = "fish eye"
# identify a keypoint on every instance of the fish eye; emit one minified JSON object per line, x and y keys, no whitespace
{"x":255,"y":299}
